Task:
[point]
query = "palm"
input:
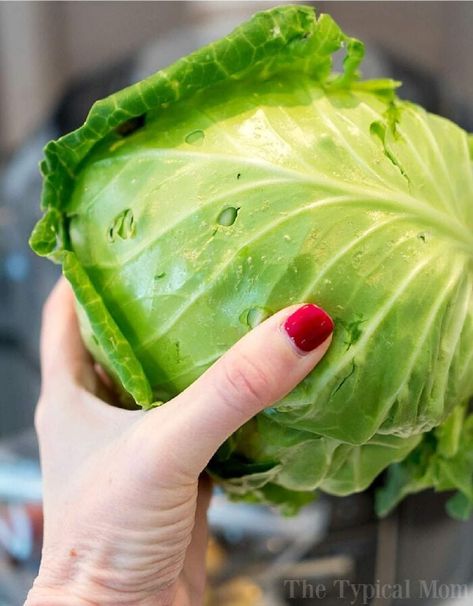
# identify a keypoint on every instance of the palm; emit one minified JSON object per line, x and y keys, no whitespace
{"x":157,"y":525}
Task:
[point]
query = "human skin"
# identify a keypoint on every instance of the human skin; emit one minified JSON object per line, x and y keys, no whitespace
{"x":125,"y":497}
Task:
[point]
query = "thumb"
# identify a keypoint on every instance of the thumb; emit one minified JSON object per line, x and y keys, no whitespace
{"x":257,"y":372}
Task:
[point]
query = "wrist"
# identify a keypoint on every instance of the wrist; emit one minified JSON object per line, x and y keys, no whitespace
{"x":88,"y":574}
{"x":74,"y":593}
{"x":49,"y":596}
{"x":58,"y":594}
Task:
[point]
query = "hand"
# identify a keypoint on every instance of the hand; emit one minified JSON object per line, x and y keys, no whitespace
{"x":124,"y":497}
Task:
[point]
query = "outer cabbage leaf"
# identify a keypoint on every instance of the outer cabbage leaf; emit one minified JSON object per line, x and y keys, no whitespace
{"x":247,"y":177}
{"x":442,"y":461}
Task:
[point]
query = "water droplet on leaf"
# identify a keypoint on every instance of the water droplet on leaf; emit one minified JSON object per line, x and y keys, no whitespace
{"x":228,"y":216}
{"x":254,"y":315}
{"x":196,"y":137}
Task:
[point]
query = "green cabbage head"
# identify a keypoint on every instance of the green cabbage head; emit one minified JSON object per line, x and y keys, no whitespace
{"x":249,"y":176}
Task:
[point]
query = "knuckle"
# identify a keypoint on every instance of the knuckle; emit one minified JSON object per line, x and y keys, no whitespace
{"x":245,"y":384}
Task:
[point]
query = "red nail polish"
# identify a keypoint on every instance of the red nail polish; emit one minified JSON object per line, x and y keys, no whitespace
{"x":308,"y":327}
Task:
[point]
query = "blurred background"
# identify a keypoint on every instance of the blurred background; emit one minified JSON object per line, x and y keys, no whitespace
{"x":56,"y":58}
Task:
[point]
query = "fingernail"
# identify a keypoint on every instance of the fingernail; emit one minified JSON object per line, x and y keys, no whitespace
{"x":308,"y":327}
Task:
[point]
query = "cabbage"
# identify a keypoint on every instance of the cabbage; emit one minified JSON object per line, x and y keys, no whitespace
{"x":249,"y":176}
